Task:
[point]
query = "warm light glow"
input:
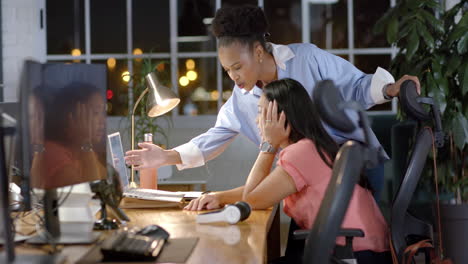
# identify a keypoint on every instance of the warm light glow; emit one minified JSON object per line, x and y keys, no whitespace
{"x":111,"y":62}
{"x":76,"y":52}
{"x":137,"y":51}
{"x":126,"y":76}
{"x":165,"y":103}
{"x":184,"y":81}
{"x":214,"y":95}
{"x":160,"y":67}
{"x":190,"y":64}
{"x":192,"y":75}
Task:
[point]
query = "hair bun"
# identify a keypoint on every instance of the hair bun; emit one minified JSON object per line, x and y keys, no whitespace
{"x":239,"y":21}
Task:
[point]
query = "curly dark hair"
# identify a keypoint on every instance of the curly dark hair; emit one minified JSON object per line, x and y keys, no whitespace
{"x":243,"y":24}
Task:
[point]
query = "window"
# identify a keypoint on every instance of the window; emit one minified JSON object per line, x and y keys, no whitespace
{"x":121,"y":33}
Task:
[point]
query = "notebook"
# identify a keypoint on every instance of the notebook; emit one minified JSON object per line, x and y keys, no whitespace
{"x":117,"y":156}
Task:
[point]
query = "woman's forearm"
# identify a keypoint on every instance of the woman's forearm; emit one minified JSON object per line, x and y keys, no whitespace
{"x":230,"y":196}
{"x":173,"y":157}
{"x":260,"y":170}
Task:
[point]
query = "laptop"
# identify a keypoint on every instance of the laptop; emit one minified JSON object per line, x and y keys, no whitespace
{"x":117,"y":156}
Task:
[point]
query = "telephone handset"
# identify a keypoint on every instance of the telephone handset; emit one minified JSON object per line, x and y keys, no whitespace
{"x":132,"y":246}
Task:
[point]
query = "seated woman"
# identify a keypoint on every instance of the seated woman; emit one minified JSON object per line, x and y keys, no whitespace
{"x":288,"y":120}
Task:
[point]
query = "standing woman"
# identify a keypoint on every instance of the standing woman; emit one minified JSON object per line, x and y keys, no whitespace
{"x":251,"y":63}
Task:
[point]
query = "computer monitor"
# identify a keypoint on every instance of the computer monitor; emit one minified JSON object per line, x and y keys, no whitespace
{"x":63,"y":130}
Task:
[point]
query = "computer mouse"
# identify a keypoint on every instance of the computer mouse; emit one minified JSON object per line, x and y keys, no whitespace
{"x":154,"y":231}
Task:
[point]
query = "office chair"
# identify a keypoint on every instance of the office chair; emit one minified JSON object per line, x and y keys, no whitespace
{"x":405,"y":228}
{"x":350,"y":161}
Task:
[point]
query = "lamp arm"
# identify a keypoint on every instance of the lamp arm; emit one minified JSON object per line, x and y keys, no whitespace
{"x":132,"y":176}
{"x":139,"y":99}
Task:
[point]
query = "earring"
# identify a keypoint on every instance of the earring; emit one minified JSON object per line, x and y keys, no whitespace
{"x":261,"y":60}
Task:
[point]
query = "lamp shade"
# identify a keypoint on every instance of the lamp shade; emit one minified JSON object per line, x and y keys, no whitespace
{"x":160,"y":98}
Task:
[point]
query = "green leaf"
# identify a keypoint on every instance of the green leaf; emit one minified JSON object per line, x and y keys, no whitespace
{"x":404,"y":32}
{"x":462,"y":45}
{"x":424,"y":33}
{"x":460,"y":130}
{"x":464,"y":84}
{"x":436,"y":93}
{"x":453,"y":64}
{"x":413,"y":45}
{"x":436,"y":70}
{"x":382,"y":22}
{"x":456,"y":34}
{"x":413,"y":4}
{"x":432,"y":20}
{"x":423,"y":64}
{"x":432,"y":4}
{"x":392,"y":30}
{"x":464,"y":20}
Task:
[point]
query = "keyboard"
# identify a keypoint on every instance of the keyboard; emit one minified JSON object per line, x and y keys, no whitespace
{"x":155,"y":195}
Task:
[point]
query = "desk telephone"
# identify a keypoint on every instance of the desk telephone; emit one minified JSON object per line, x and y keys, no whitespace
{"x":134,"y":245}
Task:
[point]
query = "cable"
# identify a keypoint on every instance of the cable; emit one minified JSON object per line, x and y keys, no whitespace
{"x":66,"y":196}
{"x":436,"y":180}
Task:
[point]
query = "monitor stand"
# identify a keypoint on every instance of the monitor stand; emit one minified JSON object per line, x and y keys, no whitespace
{"x":33,"y":259}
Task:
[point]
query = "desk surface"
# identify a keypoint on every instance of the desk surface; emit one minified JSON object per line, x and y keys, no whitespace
{"x":245,"y":242}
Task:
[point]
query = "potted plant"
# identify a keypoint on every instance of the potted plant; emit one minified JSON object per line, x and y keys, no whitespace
{"x":433,"y":44}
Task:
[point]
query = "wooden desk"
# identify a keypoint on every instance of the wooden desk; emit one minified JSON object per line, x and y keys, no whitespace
{"x":245,"y":242}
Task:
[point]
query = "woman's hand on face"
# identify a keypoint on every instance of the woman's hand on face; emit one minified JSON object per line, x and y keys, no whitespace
{"x":149,"y":156}
{"x":273,"y":127}
{"x":206,"y":201}
{"x":393,"y":90}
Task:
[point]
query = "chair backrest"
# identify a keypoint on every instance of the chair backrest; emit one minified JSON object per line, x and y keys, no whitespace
{"x":403,"y":225}
{"x":347,"y":168}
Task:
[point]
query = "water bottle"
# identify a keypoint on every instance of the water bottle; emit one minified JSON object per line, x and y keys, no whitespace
{"x":149,"y":177}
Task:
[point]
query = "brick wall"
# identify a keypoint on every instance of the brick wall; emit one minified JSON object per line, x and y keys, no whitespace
{"x":22,"y":38}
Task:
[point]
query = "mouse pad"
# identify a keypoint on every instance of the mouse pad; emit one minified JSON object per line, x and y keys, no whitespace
{"x":177,"y":250}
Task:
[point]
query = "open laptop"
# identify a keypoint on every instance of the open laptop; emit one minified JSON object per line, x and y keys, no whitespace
{"x":117,"y":156}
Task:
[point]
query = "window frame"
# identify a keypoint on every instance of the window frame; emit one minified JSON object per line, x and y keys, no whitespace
{"x":174,"y":55}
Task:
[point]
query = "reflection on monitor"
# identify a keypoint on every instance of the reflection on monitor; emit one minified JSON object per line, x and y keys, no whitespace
{"x":117,"y":156}
{"x":63,"y":129}
{"x":67,"y":135}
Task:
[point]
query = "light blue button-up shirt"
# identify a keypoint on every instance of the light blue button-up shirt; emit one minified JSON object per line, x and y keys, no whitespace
{"x":305,"y":63}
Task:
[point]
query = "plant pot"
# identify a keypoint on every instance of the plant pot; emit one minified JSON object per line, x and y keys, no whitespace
{"x":454,"y":220}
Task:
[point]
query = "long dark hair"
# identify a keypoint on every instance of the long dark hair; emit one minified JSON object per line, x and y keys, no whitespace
{"x":242,"y":24}
{"x":301,"y":114}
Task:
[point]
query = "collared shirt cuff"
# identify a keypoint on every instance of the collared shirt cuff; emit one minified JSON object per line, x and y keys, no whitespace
{"x":380,"y":78}
{"x":190,"y":155}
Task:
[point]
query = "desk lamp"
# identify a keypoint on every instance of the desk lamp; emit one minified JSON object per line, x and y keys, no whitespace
{"x":161,"y":100}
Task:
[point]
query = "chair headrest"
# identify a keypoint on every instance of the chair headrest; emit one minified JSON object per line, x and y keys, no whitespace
{"x":329,"y":104}
{"x":409,"y":102}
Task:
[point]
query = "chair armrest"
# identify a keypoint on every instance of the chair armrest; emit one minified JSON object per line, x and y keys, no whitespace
{"x":301,"y":234}
{"x":351,"y":233}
